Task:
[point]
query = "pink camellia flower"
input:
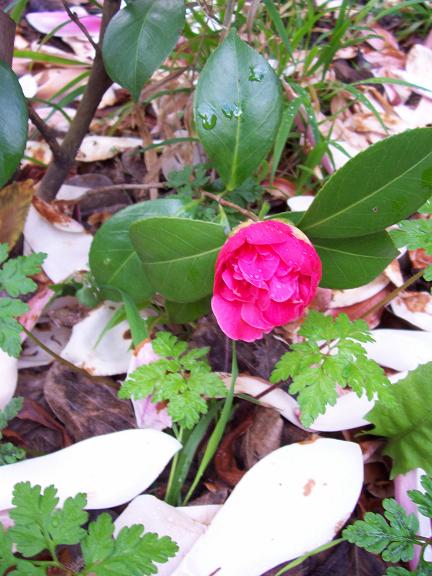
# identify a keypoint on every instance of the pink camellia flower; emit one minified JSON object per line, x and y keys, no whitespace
{"x":266,"y":275}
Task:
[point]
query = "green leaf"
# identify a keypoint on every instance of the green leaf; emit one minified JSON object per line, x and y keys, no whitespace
{"x":139,"y":38}
{"x":10,"y":340}
{"x":238,"y":107}
{"x":180,"y":377}
{"x":13,"y":276}
{"x":406,"y":421}
{"x":422,"y":500}
{"x":13,"y":123}
{"x":378,"y":187}
{"x":414,"y":234}
{"x":131,"y":553}
{"x":398,"y":571}
{"x":330,"y":356}
{"x":394,"y":539}
{"x":113,"y":260}
{"x":6,"y":557}
{"x":352,"y":262}
{"x":178,"y":255}
{"x":39,"y":525}
{"x":187,"y":312}
{"x":10,"y":411}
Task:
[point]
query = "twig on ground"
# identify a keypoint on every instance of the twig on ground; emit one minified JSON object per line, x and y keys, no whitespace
{"x":75,"y":19}
{"x":46,"y":132}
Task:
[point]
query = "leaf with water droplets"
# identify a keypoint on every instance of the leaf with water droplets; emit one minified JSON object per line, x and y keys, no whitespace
{"x":238,"y":105}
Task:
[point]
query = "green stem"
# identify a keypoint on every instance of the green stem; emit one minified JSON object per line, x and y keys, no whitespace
{"x":219,"y":430}
{"x":301,"y":559}
{"x":393,"y":294}
{"x":169,"y":496}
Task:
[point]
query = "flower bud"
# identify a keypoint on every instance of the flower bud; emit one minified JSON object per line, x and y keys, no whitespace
{"x":267,"y":273}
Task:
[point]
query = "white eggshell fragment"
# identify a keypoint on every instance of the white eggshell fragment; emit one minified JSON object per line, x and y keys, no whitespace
{"x":415,"y":308}
{"x":111,"y":469}
{"x":342,"y":298}
{"x":400,"y":349}
{"x":294,"y":500}
{"x":158,"y":516}
{"x":111,"y":355}
{"x":8,"y":378}
{"x":67,"y":252}
{"x":348,"y":412}
{"x":300,"y":203}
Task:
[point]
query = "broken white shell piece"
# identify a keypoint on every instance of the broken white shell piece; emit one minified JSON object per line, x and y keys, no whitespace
{"x":203,"y":514}
{"x":111,"y":469}
{"x":67,"y":252}
{"x":70,"y":192}
{"x":348,"y":412}
{"x":111,"y":355}
{"x":403,"y":483}
{"x":415,"y":308}
{"x":300,"y":203}
{"x":400,"y":349}
{"x":158,"y":516}
{"x":294,"y":500}
{"x":342,"y":298}
{"x":94,"y":148}
{"x":8,"y":378}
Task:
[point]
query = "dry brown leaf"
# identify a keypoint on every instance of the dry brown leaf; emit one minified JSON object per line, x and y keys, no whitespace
{"x":86,"y":408}
{"x":15,"y":201}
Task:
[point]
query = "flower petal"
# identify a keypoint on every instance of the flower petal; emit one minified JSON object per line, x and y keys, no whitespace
{"x":252,"y":315}
{"x":281,"y":313}
{"x":228,"y":316}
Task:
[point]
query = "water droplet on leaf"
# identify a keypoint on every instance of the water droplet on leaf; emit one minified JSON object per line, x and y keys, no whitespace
{"x":209,"y":120}
{"x":255,"y":74}
{"x":231,"y":111}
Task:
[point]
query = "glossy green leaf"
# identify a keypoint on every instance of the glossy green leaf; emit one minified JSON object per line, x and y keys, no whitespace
{"x":181,"y":313}
{"x":113,"y":260}
{"x":238,"y":107}
{"x":178,"y":255}
{"x":351,"y":262}
{"x":139,"y":38}
{"x":13,"y":123}
{"x":378,"y":187}
{"x":405,"y":419}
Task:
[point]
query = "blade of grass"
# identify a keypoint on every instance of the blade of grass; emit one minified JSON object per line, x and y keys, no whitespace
{"x":186,"y":456}
{"x":50,"y":58}
{"x":219,"y":430}
{"x":284,"y":131}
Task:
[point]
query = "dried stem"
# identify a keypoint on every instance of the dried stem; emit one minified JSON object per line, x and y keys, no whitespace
{"x":62,"y":360}
{"x":393,"y":294}
{"x":229,"y":11}
{"x":98,"y":83}
{"x":80,"y":25}
{"x":7,"y":38}
{"x":114,"y":187}
{"x":223,"y":202}
{"x":46,"y":132}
